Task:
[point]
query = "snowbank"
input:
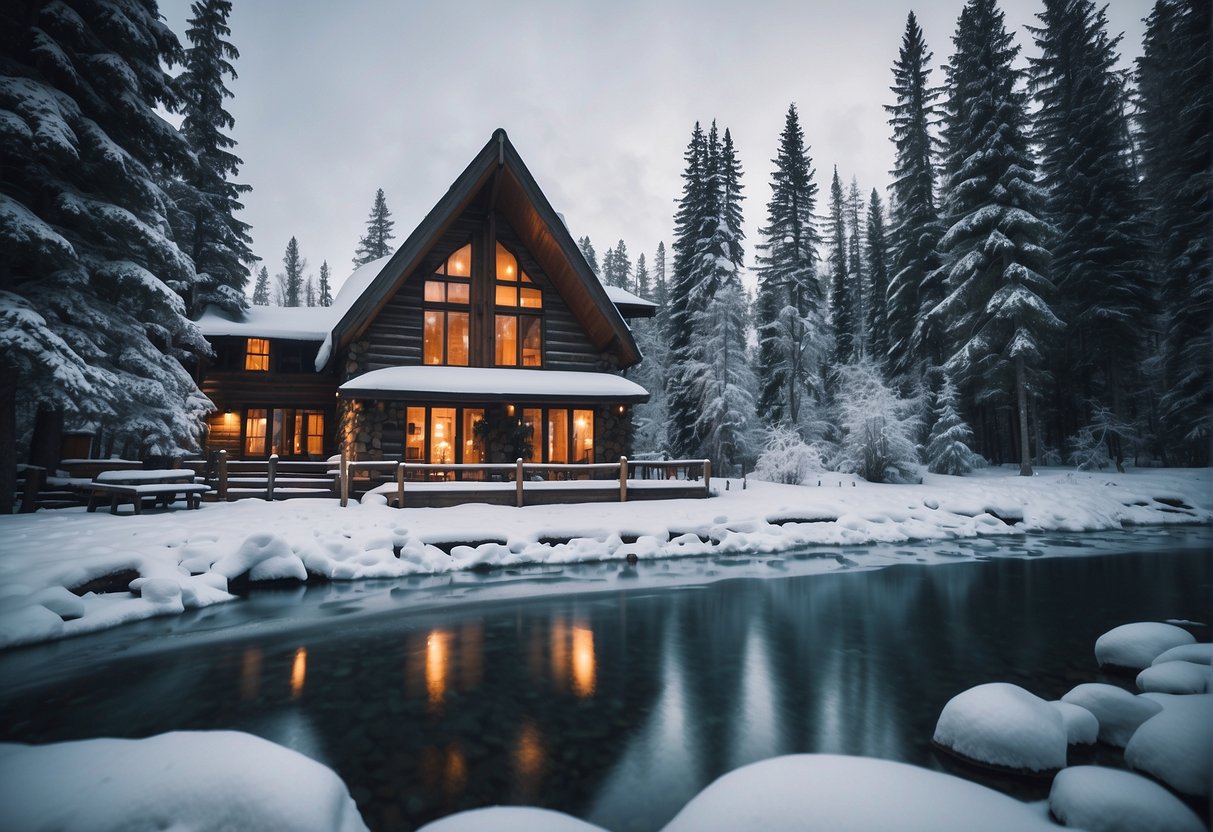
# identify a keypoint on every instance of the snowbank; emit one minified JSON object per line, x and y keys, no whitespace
{"x":1174,"y":745}
{"x":850,"y":794}
{"x":49,"y":553}
{"x":1176,"y":677}
{"x":1201,"y":653}
{"x":1107,"y":800}
{"x":510,"y":819}
{"x":1082,"y":728}
{"x":183,"y":780}
{"x":1003,"y":725}
{"x":1134,"y":646}
{"x":1118,"y":711}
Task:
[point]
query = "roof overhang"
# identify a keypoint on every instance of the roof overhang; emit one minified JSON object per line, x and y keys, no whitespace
{"x":479,"y":384}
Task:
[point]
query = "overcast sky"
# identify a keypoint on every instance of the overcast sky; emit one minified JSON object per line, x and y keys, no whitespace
{"x":336,"y":99}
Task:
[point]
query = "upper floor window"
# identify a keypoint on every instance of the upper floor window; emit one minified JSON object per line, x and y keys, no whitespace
{"x":447,"y":294}
{"x":518,"y":336}
{"x":257,"y":354}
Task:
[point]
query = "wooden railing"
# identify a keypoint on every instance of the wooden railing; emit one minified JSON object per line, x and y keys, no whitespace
{"x":380,"y":472}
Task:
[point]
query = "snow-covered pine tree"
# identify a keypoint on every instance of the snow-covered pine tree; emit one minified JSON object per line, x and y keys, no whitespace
{"x":1175,"y":108}
{"x":789,"y":302}
{"x":587,"y":251}
{"x":1100,"y":252}
{"x":622,"y":276}
{"x":724,"y":381}
{"x":90,"y":282}
{"x":948,"y":446}
{"x":326,"y":288}
{"x":309,"y":291}
{"x":997,"y":309}
{"x":660,"y":286}
{"x":292,"y":276}
{"x":642,"y":286}
{"x":842,"y":295}
{"x":914,"y":222}
{"x":376,"y":242}
{"x":877,"y":425}
{"x":207,"y":197}
{"x":684,"y":365}
{"x":878,"y":282}
{"x":608,"y":267}
{"x":855,"y":266}
{"x":261,"y":290}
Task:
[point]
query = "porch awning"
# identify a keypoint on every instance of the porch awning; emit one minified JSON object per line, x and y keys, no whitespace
{"x":468,"y":384}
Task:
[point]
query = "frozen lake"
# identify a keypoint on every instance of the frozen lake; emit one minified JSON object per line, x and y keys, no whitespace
{"x":610,"y":692}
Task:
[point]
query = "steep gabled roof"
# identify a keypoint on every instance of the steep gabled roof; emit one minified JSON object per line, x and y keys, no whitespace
{"x":516,"y":195}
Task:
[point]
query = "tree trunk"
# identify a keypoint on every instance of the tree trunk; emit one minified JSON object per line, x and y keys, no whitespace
{"x":45,"y":444}
{"x":1021,"y":389}
{"x":8,"y":439}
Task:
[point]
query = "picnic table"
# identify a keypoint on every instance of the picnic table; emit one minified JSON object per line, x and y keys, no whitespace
{"x":163,"y":485}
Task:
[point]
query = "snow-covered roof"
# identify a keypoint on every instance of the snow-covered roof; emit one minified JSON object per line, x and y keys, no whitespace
{"x":300,"y":323}
{"x":471,"y":382}
{"x":623,"y":296}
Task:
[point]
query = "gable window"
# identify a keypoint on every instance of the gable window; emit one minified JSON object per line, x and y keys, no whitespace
{"x":447,"y":293}
{"x":518,"y":330}
{"x":257,"y":354}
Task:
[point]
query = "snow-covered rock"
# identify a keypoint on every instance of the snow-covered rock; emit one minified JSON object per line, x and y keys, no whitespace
{"x":510,"y":819}
{"x":850,"y":794}
{"x":185,"y":780}
{"x":1134,"y":646}
{"x":1118,"y":711}
{"x":1082,"y":728}
{"x":1176,"y":677}
{"x":1003,"y":725}
{"x":1176,"y":745}
{"x":1101,"y":799}
{"x":1201,"y":653}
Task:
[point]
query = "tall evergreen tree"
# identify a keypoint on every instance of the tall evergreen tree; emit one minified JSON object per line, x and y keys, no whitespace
{"x":914,"y":221}
{"x":842,"y":303}
{"x":1100,"y":262}
{"x":997,"y":309}
{"x":608,"y":267}
{"x":620,"y":273}
{"x":789,"y":301}
{"x":948,"y":446}
{"x":326,"y":288}
{"x":660,"y":286}
{"x":855,"y":266}
{"x":587,"y":251}
{"x":207,"y":199}
{"x":90,"y":285}
{"x":878,"y":282}
{"x":376,"y":242}
{"x":309,"y":291}
{"x":643,"y":289}
{"x":261,"y":291}
{"x":683,"y":355}
{"x":1175,"y":110}
{"x":292,"y":276}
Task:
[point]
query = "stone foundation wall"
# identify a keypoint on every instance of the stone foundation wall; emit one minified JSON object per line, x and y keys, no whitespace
{"x":612,"y":433}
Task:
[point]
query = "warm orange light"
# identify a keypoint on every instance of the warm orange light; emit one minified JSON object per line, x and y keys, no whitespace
{"x":509,"y":409}
{"x":250,"y":674}
{"x":621,"y":409}
{"x":437,"y":649}
{"x":559,"y":653}
{"x":584,"y":668}
{"x":456,"y":774}
{"x":529,"y":756}
{"x":298,"y":672}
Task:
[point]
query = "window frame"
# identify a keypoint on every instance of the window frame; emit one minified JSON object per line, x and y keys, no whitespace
{"x":261,"y":358}
{"x":520,"y":313}
{"x":445,"y":308}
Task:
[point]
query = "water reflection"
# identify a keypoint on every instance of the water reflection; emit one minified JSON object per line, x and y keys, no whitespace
{"x":620,"y":708}
{"x":298,"y":672}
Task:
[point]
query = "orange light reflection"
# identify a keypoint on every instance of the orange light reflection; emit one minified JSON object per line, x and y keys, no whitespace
{"x":584,"y":666}
{"x":437,"y":658}
{"x":298,"y":672}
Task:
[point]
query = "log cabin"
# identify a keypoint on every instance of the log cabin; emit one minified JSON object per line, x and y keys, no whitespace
{"x":485,"y":337}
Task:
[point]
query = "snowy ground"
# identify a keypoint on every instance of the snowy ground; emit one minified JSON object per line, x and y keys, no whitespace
{"x":185,"y":559}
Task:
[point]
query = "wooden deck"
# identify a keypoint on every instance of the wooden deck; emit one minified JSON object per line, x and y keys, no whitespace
{"x":444,"y":494}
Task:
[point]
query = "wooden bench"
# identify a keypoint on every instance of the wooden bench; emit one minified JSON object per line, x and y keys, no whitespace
{"x":133,"y":487}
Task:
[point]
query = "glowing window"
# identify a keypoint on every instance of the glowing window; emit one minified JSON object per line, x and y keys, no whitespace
{"x":507,"y":265}
{"x":459,"y":264}
{"x":507,"y":295}
{"x":532,"y":340}
{"x":558,"y":435}
{"x":257,"y":354}
{"x":506,"y":353}
{"x":531,"y":298}
{"x":583,"y":436}
{"x":254,"y":432}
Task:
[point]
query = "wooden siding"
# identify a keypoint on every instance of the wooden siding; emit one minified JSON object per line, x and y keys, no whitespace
{"x":395,"y":337}
{"x":223,"y":433}
{"x":311,"y":391}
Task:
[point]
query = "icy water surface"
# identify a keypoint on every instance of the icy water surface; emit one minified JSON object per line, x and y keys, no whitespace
{"x":614,"y":693}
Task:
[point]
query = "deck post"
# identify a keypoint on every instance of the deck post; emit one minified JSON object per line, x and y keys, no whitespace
{"x":623,"y":479}
{"x":707,"y":477}
{"x":270,"y":469}
{"x":518,"y":479}
{"x":221,"y":475}
{"x":343,"y":479}
{"x":35,"y":477}
{"x":400,"y":485}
